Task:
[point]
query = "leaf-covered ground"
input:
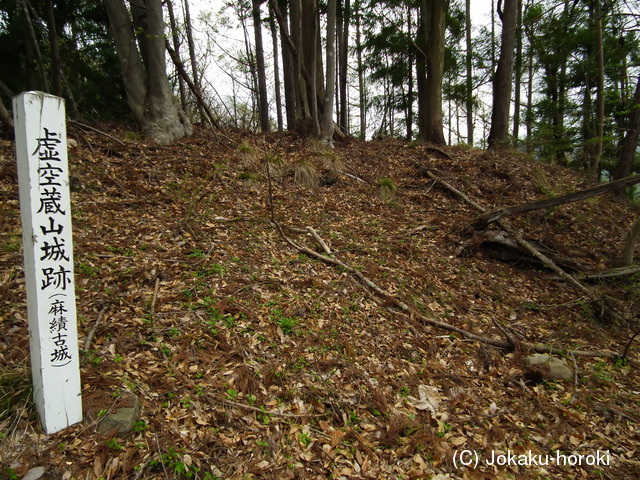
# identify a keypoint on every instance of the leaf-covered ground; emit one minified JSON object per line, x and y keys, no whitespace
{"x":252,"y":360}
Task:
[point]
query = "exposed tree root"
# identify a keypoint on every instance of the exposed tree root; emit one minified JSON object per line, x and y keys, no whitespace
{"x":410,"y":312}
{"x":605,"y":310}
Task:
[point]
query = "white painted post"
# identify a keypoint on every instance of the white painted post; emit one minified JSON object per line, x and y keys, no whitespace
{"x":43,"y":176}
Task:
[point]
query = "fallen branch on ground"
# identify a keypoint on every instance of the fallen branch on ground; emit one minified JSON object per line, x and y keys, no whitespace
{"x":412,"y":311}
{"x":493,"y":215}
{"x":507,"y":227}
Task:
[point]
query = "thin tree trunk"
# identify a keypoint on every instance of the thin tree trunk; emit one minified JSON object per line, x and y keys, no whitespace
{"x":56,"y":67}
{"x":630,"y":243}
{"x":362,"y":88}
{"x":410,"y":92}
{"x":628,"y":146}
{"x":594,"y":168}
{"x":263,"y":101}
{"x":33,"y":43}
{"x":502,"y":83}
{"x":276,"y":69}
{"x":288,"y":69}
{"x":176,"y":48}
{"x":518,"y":75}
{"x":469,"y":83}
{"x":327,"y":106}
{"x":344,"y":66}
{"x":192,"y":47}
{"x":529,"y":113}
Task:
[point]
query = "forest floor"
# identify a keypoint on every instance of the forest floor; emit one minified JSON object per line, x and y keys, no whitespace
{"x":252,"y":360}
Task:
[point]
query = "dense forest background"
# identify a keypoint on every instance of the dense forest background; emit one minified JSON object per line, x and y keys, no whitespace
{"x":556,"y":79}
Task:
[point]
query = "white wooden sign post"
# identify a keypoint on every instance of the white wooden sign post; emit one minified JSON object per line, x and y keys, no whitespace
{"x":43,"y":176}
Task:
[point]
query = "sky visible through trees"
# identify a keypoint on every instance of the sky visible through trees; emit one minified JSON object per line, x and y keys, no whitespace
{"x":229,"y":41}
{"x":560,"y":83}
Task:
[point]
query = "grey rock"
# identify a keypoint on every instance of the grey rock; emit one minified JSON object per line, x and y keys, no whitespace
{"x":121,"y":419}
{"x":550,"y":366}
{"x":35,"y":473}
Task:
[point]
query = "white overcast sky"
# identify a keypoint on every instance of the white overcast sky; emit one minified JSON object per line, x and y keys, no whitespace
{"x":218,"y":77}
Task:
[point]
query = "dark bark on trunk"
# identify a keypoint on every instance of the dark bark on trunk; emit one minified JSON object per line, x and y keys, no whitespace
{"x":502,"y":83}
{"x":362,"y":88}
{"x":629,"y":144}
{"x":176,"y":48}
{"x":191,"y":44}
{"x":435,"y":71}
{"x":469,"y":80}
{"x":327,"y":124}
{"x":630,"y":243}
{"x":276,"y":69}
{"x":517,"y":75}
{"x":33,"y":49}
{"x":56,"y":67}
{"x":263,"y":101}
{"x":288,"y":68}
{"x":594,"y":167}
{"x":343,"y":120}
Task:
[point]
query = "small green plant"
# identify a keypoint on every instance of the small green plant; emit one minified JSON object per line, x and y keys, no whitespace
{"x":232,"y":393}
{"x":196,"y":253}
{"x":12,"y":244}
{"x":171,"y":461}
{"x":444,"y":429}
{"x":287,"y":324}
{"x":305,"y":439}
{"x":404,"y":391}
{"x":88,"y":270}
{"x":10,"y":474}
{"x":113,"y":444}
{"x":139,"y":426}
{"x":166,"y":350}
{"x":387,"y":189}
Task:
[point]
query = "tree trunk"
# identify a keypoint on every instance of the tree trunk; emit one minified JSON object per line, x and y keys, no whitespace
{"x":32,"y":48}
{"x":263,"y":101}
{"x":276,"y":69}
{"x":288,"y":68}
{"x":362,"y":87}
{"x":56,"y":67}
{"x":146,"y":85}
{"x":469,"y":82}
{"x":502,"y":81}
{"x":343,"y":121}
{"x":309,"y":39}
{"x":433,"y":15}
{"x":629,"y":144}
{"x":518,"y":75}
{"x":176,"y":48}
{"x":630,"y":243}
{"x":192,"y":49}
{"x":594,"y":167}
{"x":327,"y":105}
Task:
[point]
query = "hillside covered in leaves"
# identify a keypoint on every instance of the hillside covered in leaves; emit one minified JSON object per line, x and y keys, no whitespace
{"x":251,"y":359}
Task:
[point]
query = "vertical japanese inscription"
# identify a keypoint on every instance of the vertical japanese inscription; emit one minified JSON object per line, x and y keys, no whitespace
{"x":43,"y":175}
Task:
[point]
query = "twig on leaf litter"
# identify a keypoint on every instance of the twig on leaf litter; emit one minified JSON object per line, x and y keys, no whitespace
{"x":409,"y":310}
